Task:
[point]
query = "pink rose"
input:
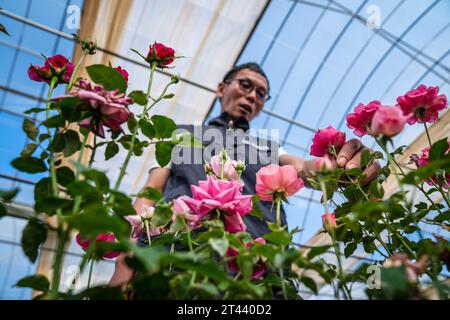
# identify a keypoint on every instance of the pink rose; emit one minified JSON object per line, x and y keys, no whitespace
{"x":327,"y":142}
{"x":234,"y":223}
{"x":423,"y":159}
{"x":160,"y":54}
{"x":137,"y":222}
{"x":180,"y":207}
{"x":222,"y":195}
{"x":387,"y":121}
{"x":323,"y":164}
{"x":360,"y":119}
{"x":260,"y":268}
{"x":273,"y":179}
{"x":229,"y":168}
{"x":329,"y":220}
{"x":108,"y":108}
{"x":123,"y":72}
{"x":106,"y":237}
{"x":56,"y":66}
{"x":422,"y":103}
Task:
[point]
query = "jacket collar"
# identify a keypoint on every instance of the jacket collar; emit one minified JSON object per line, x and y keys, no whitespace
{"x":224,"y":120}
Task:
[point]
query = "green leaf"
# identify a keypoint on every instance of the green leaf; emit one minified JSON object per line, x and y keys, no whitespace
{"x":37,"y":282}
{"x":80,"y":188}
{"x":58,"y":142}
{"x":439,"y":149}
{"x":376,"y":189}
{"x":139,"y":97}
{"x":365,"y":158}
{"x":163,"y":152}
{"x":310,"y":284}
{"x":56,"y":121}
{"x":162,"y":215}
{"x":28,"y":150}
{"x":42,"y":189}
{"x":8,"y":195}
{"x":219,"y":245}
{"x":281,"y":237}
{"x":99,"y":178}
{"x":256,"y":210}
{"x":152,"y":287}
{"x":110,"y":78}
{"x":147,"y":128}
{"x":70,"y":109}
{"x":30,"y":129}
{"x":72,"y":143}
{"x":34,"y":110}
{"x":34,"y":234}
{"x":315,"y":251}
{"x":111,"y":150}
{"x":100,"y":293}
{"x":164,"y":126}
{"x":150,"y":257}
{"x":64,"y":176}
{"x":29,"y":165}
{"x":95,"y":220}
{"x":51,"y":204}
{"x":3,"y":29}
{"x":151,"y":194}
{"x":349,"y":249}
{"x":3,"y":211}
{"x":169,"y":96}
{"x":132,"y":123}
{"x":187,"y":140}
{"x":123,"y":205}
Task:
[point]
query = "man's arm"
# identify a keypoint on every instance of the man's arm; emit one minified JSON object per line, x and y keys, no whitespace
{"x":349,"y":157}
{"x":122,"y":274}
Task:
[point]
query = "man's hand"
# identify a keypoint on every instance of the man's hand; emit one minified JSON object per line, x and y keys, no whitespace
{"x":349,"y":157}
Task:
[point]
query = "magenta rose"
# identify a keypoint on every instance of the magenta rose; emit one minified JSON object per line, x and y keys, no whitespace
{"x":361,"y":118}
{"x":56,"y":66}
{"x":387,"y":121}
{"x":423,"y":159}
{"x":327,"y":142}
{"x":277,"y":180}
{"x":260,"y":268}
{"x":161,"y":55}
{"x":123,"y":72}
{"x":422,"y":104}
{"x":106,"y":237}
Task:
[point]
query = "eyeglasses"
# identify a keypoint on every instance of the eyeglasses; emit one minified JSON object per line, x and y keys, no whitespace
{"x":247,"y":86}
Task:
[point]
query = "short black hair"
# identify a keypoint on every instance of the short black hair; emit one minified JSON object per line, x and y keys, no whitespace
{"x":253,"y":66}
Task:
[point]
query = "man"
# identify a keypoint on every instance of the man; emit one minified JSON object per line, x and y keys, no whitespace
{"x":242,"y":95}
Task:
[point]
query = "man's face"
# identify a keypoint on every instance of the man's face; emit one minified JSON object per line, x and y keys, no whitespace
{"x":243,"y":95}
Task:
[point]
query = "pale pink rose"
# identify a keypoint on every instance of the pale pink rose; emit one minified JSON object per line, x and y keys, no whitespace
{"x":327,"y":142}
{"x":56,"y":66}
{"x":422,"y":100}
{"x":361,"y":118}
{"x":109,"y":108}
{"x":218,"y":194}
{"x":329,"y":220}
{"x":229,"y":167}
{"x":323,"y":164}
{"x":106,"y":237}
{"x":260,"y":268}
{"x":273,"y":179}
{"x":387,"y":121}
{"x":423,"y":159}
{"x":137,"y":222}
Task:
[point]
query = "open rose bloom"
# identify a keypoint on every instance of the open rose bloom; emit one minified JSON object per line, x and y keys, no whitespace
{"x":161,"y":55}
{"x":327,"y":142}
{"x":422,"y":104}
{"x":260,"y":268}
{"x":361,"y":118}
{"x":56,"y":66}
{"x":273,"y":180}
{"x":224,"y":196}
{"x":423,"y":159}
{"x":387,"y":121}
{"x":108,"y":108}
{"x":106,"y":237}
